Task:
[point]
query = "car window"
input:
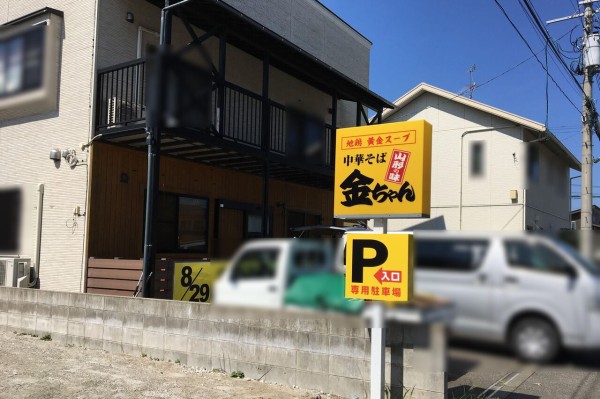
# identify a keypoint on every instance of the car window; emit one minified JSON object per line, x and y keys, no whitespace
{"x":535,"y":257}
{"x":451,"y":255}
{"x":258,"y":263}
{"x":589,"y":265}
{"x":308,"y":259}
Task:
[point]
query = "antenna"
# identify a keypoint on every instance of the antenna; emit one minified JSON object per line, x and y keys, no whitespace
{"x":472,"y":84}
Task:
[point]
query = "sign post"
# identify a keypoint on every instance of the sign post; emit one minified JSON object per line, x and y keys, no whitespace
{"x":381,"y":171}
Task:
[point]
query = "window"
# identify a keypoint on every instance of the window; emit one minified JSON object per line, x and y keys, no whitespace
{"x":254,"y":225}
{"x":450,"y":255}
{"x":256,"y":264}
{"x":11,"y":209}
{"x":477,"y":159}
{"x":182,"y":223}
{"x":534,"y":257}
{"x":533,"y":163}
{"x":309,"y":259}
{"x":21,"y":61}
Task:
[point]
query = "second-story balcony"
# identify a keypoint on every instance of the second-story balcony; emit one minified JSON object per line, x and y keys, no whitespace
{"x":234,"y":137}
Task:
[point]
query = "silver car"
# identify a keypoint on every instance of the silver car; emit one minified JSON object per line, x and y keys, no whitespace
{"x":532,"y":292}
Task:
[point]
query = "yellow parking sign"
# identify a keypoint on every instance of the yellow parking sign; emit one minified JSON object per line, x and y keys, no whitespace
{"x":380,"y":266}
{"x":383,"y":171}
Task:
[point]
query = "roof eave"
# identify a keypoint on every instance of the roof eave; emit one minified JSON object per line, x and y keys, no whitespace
{"x":518,"y":120}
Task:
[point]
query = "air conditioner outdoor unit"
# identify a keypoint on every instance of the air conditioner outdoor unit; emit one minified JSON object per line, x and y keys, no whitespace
{"x":120,"y":111}
{"x":15,"y":272}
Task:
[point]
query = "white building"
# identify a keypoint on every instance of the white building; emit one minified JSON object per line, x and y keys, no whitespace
{"x":71,"y":71}
{"x":491,"y":170}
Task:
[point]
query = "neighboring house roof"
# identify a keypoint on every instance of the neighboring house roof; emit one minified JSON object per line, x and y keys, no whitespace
{"x":553,"y":143}
{"x":576,"y":216}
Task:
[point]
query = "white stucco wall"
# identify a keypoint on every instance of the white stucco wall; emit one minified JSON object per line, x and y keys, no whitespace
{"x":316,"y":30}
{"x":484,"y":203}
{"x":25,"y":143}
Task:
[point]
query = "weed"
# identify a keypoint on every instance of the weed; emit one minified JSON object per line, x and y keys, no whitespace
{"x":46,"y":337}
{"x":237,"y":374}
{"x":177,"y":361}
{"x":218,"y":370}
{"x":144,"y":355}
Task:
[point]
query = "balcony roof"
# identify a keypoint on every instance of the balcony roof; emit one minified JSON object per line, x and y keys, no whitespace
{"x":194,"y":146}
{"x":256,"y":39}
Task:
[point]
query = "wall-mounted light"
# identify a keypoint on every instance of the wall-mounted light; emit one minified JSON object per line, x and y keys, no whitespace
{"x":70,"y":155}
{"x":129,"y":17}
{"x":55,"y":155}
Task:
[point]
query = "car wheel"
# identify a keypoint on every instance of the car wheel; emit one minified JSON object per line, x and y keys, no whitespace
{"x":535,"y":340}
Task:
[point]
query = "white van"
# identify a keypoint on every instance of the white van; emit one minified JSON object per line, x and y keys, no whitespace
{"x":532,"y":292}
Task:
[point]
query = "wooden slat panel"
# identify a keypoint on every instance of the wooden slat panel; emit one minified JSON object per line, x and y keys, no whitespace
{"x":112,"y":284}
{"x":117,"y":208}
{"x":128,"y":264}
{"x":114,"y":273}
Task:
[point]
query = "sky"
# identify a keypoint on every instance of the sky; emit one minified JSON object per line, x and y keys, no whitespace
{"x":438,"y":41}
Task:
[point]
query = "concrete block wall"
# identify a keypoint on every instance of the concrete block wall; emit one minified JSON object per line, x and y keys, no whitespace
{"x":312,"y":351}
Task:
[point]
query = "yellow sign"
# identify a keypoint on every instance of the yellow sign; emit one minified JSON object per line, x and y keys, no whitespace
{"x":193,"y":281}
{"x":383,"y":171}
{"x":380,"y":266}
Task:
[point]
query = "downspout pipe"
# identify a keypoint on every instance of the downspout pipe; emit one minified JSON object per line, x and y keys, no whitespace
{"x":460,"y":201}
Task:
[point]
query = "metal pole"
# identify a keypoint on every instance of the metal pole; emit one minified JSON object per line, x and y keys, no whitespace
{"x":221,"y":81}
{"x":334,"y":117}
{"x":153,"y":128}
{"x":266,"y":144}
{"x":586,"y":145}
{"x":378,"y":344}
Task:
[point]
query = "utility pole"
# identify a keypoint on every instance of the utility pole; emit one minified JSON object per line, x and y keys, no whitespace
{"x":590,"y":65}
{"x":586,"y":245}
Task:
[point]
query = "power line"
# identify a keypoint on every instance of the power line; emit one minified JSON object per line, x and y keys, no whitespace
{"x":517,"y":65}
{"x":544,"y":32}
{"x":536,"y":58}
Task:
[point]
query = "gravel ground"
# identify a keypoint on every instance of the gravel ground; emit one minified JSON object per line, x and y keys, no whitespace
{"x":32,"y":368}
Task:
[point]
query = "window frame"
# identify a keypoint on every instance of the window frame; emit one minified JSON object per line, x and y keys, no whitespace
{"x":477,"y":159}
{"x":485,"y":243}
{"x":566,"y":269}
{"x":533,"y":163}
{"x":177,"y":249}
{"x":262,"y":252}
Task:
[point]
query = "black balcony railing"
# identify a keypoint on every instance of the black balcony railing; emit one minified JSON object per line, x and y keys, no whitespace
{"x":121,"y":103}
{"x":120,"y":97}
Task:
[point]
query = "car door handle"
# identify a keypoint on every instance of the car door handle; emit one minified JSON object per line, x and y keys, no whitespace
{"x":511,"y":279}
{"x":482,"y":278}
{"x":272,"y":288}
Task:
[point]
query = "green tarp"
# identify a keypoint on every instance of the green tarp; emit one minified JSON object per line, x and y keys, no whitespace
{"x":323,"y":291}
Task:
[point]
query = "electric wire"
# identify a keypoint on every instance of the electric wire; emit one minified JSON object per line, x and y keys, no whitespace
{"x":536,"y":58}
{"x":546,"y":40}
{"x":519,"y":64}
{"x":544,"y":32}
{"x":546,"y":120}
